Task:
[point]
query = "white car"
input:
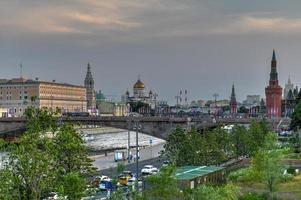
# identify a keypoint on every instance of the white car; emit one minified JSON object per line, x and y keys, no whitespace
{"x":149,"y":169}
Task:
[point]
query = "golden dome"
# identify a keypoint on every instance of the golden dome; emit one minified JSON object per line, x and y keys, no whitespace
{"x":139,"y":85}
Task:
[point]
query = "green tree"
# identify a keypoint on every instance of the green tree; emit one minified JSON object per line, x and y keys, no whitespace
{"x":240,"y":141}
{"x":70,"y":153}
{"x":243,"y":109}
{"x":257,"y":135}
{"x":296,"y":117}
{"x":42,"y":162}
{"x":266,"y":164}
{"x":73,"y":186}
{"x":163,"y":186}
{"x":175,"y":143}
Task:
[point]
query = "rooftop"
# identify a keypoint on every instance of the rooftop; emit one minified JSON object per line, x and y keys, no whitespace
{"x":191,"y":172}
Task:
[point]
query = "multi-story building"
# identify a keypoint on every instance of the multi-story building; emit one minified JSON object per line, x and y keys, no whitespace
{"x":106,"y":108}
{"x":251,"y":100}
{"x":273,"y":92}
{"x":19,"y":93}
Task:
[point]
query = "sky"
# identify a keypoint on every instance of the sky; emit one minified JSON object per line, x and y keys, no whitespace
{"x":203,"y":46}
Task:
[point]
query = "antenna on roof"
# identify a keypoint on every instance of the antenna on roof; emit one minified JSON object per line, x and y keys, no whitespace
{"x":21,"y":70}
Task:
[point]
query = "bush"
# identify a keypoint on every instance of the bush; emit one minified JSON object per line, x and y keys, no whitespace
{"x":286,"y":178}
{"x":291,"y":170}
{"x":252,"y":196}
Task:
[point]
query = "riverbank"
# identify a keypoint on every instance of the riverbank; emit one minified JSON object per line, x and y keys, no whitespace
{"x":106,"y":139}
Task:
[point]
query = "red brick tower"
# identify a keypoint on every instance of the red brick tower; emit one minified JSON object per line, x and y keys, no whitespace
{"x":273,"y":92}
{"x":233,"y":103}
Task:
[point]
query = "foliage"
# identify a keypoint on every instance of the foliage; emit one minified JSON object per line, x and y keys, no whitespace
{"x":162,"y":185}
{"x":213,"y":147}
{"x":296,"y":117}
{"x":291,"y":170}
{"x":73,"y":186}
{"x":252,"y":196}
{"x":206,"y":192}
{"x":266,"y":164}
{"x":120,"y":167}
{"x":243,"y":109}
{"x":40,"y":164}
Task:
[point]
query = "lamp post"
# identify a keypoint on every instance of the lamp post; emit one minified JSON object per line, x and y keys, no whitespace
{"x":129,"y":134}
{"x":138,"y":127}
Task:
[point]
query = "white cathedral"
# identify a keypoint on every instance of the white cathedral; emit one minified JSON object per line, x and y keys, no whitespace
{"x":140,"y":96}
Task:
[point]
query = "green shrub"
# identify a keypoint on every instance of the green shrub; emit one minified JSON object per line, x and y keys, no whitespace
{"x":291,"y":170}
{"x":252,"y":196}
{"x":286,"y":178}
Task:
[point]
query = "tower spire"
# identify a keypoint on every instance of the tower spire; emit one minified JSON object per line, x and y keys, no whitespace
{"x":233,"y":103}
{"x":274,"y":55}
{"x":274,"y":74}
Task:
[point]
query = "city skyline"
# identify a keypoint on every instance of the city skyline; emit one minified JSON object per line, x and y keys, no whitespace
{"x":200,"y":46}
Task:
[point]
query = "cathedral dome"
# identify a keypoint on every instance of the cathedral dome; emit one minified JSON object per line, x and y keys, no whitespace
{"x":139,"y":85}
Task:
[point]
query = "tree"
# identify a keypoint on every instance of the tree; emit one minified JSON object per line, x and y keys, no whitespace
{"x":266,"y":164}
{"x":174,"y":144}
{"x":163,"y":185}
{"x":40,"y":164}
{"x":70,"y":153}
{"x":257,"y":135}
{"x":240,"y":141}
{"x":243,"y":109}
{"x":296,"y":117}
{"x":73,"y":186}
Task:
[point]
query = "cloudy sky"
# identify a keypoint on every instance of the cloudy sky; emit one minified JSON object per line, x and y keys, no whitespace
{"x":199,"y":45}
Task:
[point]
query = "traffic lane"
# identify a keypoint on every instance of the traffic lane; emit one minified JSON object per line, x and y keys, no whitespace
{"x":107,"y":162}
{"x":112,"y":172}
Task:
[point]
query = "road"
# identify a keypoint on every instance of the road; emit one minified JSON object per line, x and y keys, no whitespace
{"x":102,"y":162}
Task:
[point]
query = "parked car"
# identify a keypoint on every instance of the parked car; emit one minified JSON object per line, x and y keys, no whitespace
{"x":149,"y":169}
{"x":105,"y":185}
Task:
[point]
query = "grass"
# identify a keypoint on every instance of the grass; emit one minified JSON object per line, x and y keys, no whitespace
{"x":287,"y":190}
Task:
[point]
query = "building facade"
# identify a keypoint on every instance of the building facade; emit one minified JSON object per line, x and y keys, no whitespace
{"x":90,"y":92}
{"x":19,"y":93}
{"x":273,"y":92}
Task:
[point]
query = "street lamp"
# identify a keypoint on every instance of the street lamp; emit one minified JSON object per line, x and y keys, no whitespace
{"x":138,"y":127}
{"x":129,"y":133}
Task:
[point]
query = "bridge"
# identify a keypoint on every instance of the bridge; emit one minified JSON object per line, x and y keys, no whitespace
{"x":11,"y":128}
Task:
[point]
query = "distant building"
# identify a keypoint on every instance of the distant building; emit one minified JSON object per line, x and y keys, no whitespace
{"x":90,"y":92}
{"x":106,"y":108}
{"x":288,"y":104}
{"x":19,"y":93}
{"x":288,"y":86}
{"x":251,"y":100}
{"x":139,"y":95}
{"x":273,"y":92}
{"x":233,"y":103}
